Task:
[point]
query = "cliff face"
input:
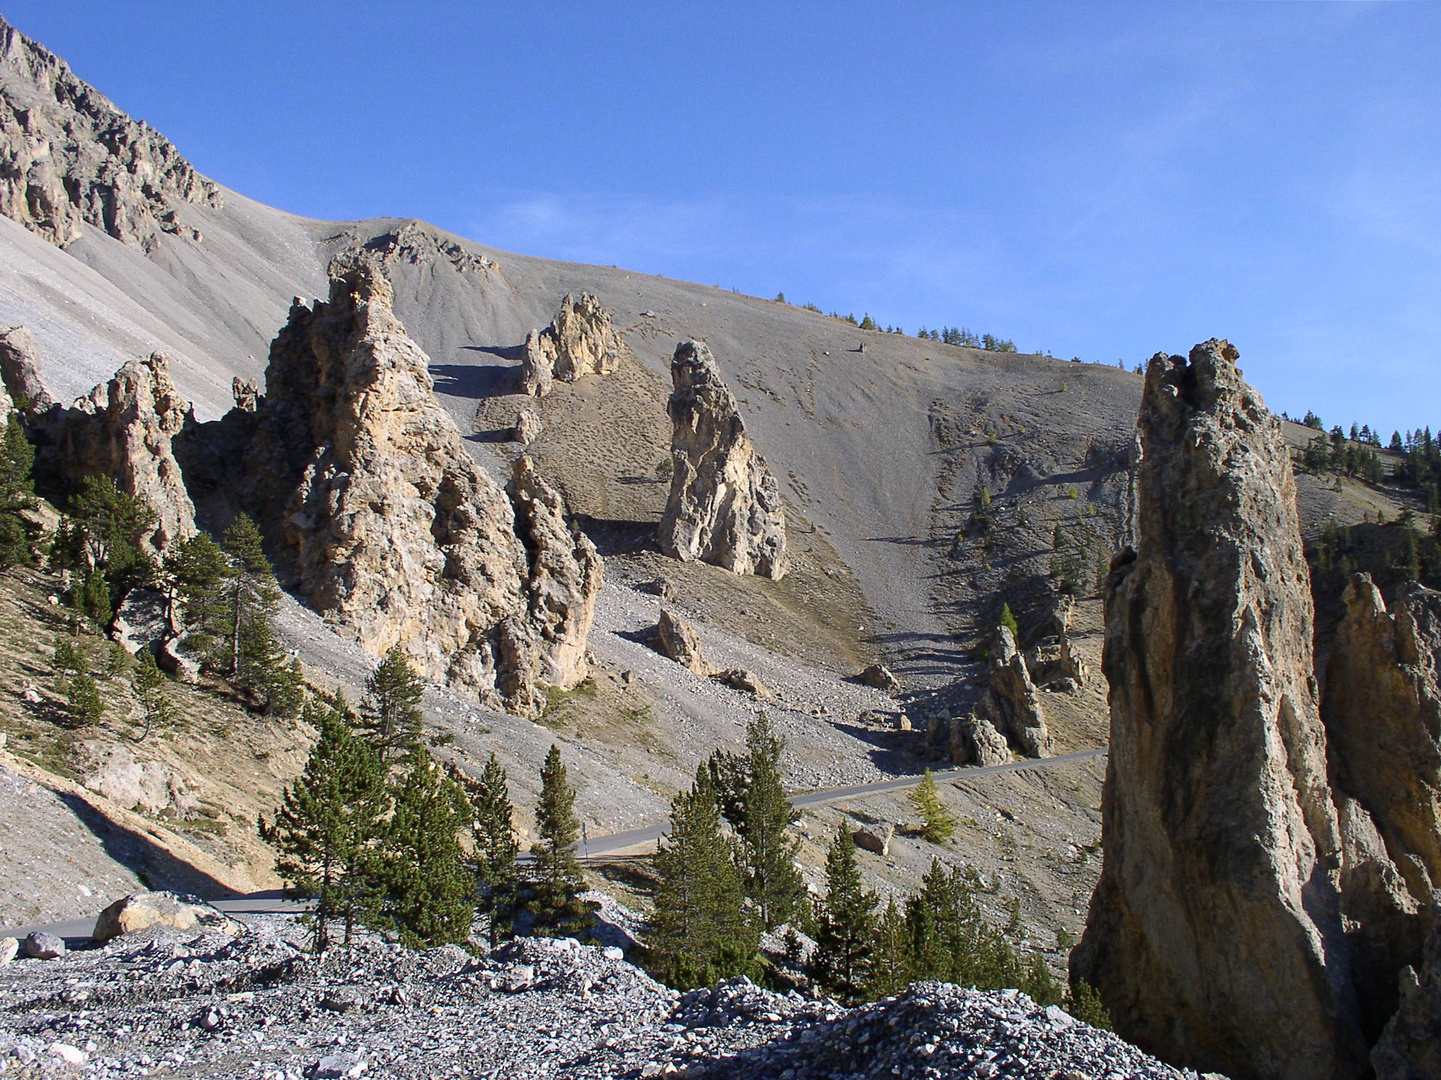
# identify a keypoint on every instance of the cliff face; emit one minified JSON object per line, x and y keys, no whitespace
{"x":394,"y":531}
{"x":1215,"y":935}
{"x":725,"y":506}
{"x":68,"y":157}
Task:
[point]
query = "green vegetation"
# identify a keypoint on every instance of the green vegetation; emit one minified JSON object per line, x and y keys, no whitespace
{"x":390,"y":715}
{"x":937,"y":823}
{"x":17,"y":494}
{"x":845,"y":959}
{"x":553,"y":901}
{"x":493,"y":848}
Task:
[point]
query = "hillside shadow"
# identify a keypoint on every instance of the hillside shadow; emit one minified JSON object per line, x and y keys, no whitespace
{"x":619,"y":537}
{"x":880,"y":749}
{"x":147,"y":860}
{"x":476,"y":380}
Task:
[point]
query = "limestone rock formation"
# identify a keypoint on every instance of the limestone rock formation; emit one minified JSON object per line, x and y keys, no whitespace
{"x":1011,"y":704}
{"x":580,"y":340}
{"x":124,"y":429}
{"x":1215,"y":934}
{"x":246,"y":393}
{"x":563,"y":577}
{"x":391,"y":529}
{"x":527,"y":426}
{"x":675,"y":638}
{"x":141,"y":911}
{"x":880,"y":677}
{"x":1055,"y":665}
{"x":1382,"y":710}
{"x":69,"y":157}
{"x":20,"y":368}
{"x":975,"y":740}
{"x":747,"y":682}
{"x":1410,"y":1047}
{"x":725,"y":506}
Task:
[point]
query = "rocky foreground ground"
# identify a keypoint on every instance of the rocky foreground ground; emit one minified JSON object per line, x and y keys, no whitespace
{"x":173,"y":1003}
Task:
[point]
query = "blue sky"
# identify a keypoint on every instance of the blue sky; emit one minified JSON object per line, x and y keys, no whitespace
{"x":1098,"y":180}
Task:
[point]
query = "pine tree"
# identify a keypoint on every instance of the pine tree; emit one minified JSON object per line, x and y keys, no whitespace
{"x":82,"y":699}
{"x":193,"y":578}
{"x":890,"y":973}
{"x":105,"y":532}
{"x":868,"y":323}
{"x":330,"y":822}
{"x":494,"y":847}
{"x":390,"y":713}
{"x":845,"y":924}
{"x":938,"y":825}
{"x":429,"y":893}
{"x":1008,"y":620}
{"x":17,"y":493}
{"x":150,"y":686}
{"x":249,"y":654}
{"x":554,"y":904}
{"x":753,"y":800}
{"x":700,"y":932}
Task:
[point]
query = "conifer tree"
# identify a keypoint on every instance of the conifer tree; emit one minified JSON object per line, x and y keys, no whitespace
{"x":891,"y":971}
{"x":428,"y":891}
{"x":17,"y":493}
{"x":193,"y":577}
{"x":330,"y":822}
{"x":937,"y":823}
{"x":103,"y":535}
{"x":752,"y":798}
{"x":82,"y":699}
{"x":494,"y":847}
{"x":700,"y":932}
{"x":390,"y":713}
{"x":845,"y":924}
{"x":554,"y":904}
{"x":150,"y":686}
{"x":249,"y":654}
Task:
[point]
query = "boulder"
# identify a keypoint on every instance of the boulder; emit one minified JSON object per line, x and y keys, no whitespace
{"x":975,"y":740}
{"x":141,"y":911}
{"x":527,"y":426}
{"x":875,"y":838}
{"x":724,"y":506}
{"x":20,"y":369}
{"x":1011,"y":704}
{"x":69,"y":158}
{"x":9,"y":949}
{"x":1215,"y":934}
{"x":880,"y":677}
{"x":42,"y":946}
{"x":385,"y":523}
{"x":676,"y":639}
{"x":580,"y":340}
{"x":747,"y":682}
{"x":114,"y":772}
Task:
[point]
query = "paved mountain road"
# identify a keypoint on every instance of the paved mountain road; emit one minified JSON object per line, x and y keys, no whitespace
{"x":271,"y":901}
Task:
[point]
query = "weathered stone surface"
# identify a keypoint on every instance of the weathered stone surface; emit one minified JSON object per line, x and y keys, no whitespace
{"x":563,"y":578}
{"x":1382,"y":710}
{"x":725,"y":506}
{"x":20,"y":369}
{"x":9,"y":949}
{"x":142,"y":621}
{"x":678,"y":640}
{"x":875,"y":838}
{"x":1410,"y":1046}
{"x":69,"y":157}
{"x":1215,"y":933}
{"x":140,"y":911}
{"x":580,"y":340}
{"x":42,"y":946}
{"x":391,"y":529}
{"x":1011,"y":704}
{"x":880,"y":677}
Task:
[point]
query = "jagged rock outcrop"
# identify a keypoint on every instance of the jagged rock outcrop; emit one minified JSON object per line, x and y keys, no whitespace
{"x":725,"y":506}
{"x":20,"y":368}
{"x":1055,"y":665}
{"x":417,"y":243}
{"x":246,"y":393}
{"x":390,"y":528}
{"x":1215,"y":934}
{"x":1410,"y":1046}
{"x":563,"y":577}
{"x":1011,"y":704}
{"x":1382,"y":710}
{"x":124,"y":429}
{"x":69,"y":157}
{"x":527,"y":427}
{"x":974,"y":740}
{"x":580,"y":340}
{"x":677,"y":639}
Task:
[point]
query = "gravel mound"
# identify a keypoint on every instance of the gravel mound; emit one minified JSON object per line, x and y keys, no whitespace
{"x":257,"y":1006}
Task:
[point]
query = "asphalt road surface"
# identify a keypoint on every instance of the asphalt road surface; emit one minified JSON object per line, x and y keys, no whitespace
{"x":271,"y":901}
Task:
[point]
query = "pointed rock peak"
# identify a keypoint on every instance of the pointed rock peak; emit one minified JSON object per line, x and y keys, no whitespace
{"x":581,"y":340}
{"x":724,"y":507}
{"x":358,"y":277}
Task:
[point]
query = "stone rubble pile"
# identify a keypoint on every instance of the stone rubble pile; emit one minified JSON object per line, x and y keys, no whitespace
{"x":201,"y":1003}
